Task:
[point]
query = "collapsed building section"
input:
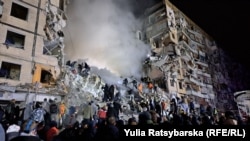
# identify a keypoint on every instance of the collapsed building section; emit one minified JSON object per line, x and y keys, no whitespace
{"x":31,"y":49}
{"x":54,"y":41}
{"x":181,"y":53}
{"x":186,"y":56}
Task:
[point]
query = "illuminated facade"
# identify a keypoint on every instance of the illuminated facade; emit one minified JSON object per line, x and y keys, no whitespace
{"x":188,"y":58}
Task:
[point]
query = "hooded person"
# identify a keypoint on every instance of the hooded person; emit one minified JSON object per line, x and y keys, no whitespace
{"x":12,"y":132}
{"x":28,"y":132}
{"x":230,"y":118}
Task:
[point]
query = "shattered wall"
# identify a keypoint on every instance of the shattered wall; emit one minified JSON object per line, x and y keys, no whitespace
{"x":190,"y":60}
{"x":182,"y":54}
{"x":41,"y":55}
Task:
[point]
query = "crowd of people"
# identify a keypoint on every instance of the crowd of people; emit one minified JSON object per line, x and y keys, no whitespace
{"x":53,"y":120}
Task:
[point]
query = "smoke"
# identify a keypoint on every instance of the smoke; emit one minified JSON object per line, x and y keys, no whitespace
{"x":104,"y":33}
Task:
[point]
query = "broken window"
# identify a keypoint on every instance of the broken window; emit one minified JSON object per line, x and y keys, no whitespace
{"x":199,"y":67}
{"x":161,"y":83}
{"x":188,"y":87}
{"x":195,"y":87}
{"x":173,"y":35}
{"x":10,"y":71}
{"x":180,"y":85}
{"x":19,"y":11}
{"x":15,"y":39}
{"x":139,"y":35}
{"x":172,"y":82}
{"x":1,"y":8}
{"x":46,"y":77}
{"x":151,"y":19}
{"x":61,"y":5}
{"x":160,"y":15}
{"x":183,"y":37}
{"x":202,"y":58}
{"x":157,"y":43}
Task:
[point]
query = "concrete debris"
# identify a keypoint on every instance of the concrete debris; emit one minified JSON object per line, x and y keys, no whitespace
{"x":82,"y":89}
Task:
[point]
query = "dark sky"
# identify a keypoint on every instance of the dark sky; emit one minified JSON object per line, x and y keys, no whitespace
{"x":227,"y":21}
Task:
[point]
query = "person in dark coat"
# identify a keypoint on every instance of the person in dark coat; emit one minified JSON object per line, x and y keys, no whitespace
{"x":87,"y":131}
{"x":118,"y":109}
{"x":68,"y":134}
{"x":111,"y":92}
{"x":109,"y":132}
{"x":125,"y":82}
{"x":111,"y":112}
{"x":10,"y":111}
{"x":106,"y":93}
{"x":1,"y":114}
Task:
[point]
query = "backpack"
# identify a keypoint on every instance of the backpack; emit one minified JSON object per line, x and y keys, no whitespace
{"x":53,"y":108}
{"x":38,"y":115}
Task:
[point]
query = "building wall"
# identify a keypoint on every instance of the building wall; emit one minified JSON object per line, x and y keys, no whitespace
{"x":25,"y":74}
{"x":24,"y":24}
{"x":207,"y":72}
{"x":11,"y":51}
{"x":32,"y":52}
{"x":183,"y":42}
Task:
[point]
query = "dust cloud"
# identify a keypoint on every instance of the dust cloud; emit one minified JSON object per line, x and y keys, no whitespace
{"x":103,"y":32}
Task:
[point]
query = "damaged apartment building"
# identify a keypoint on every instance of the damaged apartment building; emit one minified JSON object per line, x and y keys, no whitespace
{"x":31,"y":49}
{"x":186,"y":61}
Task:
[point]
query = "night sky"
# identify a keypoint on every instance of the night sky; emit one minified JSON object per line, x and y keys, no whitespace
{"x":227,"y":21}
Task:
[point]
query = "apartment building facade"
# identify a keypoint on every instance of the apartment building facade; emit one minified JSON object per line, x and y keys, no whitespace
{"x":188,"y":59}
{"x":31,"y":49}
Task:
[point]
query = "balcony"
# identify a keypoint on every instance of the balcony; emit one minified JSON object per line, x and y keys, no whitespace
{"x":185,"y":56}
{"x":196,"y":93}
{"x":207,"y":90}
{"x":200,"y":72}
{"x":154,"y":8}
{"x":201,"y":62}
{"x":157,"y":28}
{"x":185,"y":45}
{"x":194,"y":80}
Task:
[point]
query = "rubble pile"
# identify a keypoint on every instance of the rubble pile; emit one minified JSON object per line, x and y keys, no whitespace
{"x":81,"y":89}
{"x":88,"y":86}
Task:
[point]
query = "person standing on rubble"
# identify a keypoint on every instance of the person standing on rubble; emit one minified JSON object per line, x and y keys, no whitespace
{"x":111,"y":92}
{"x":106,"y":93}
{"x":118,"y":108}
{"x":125,"y":82}
{"x":134,"y":82}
